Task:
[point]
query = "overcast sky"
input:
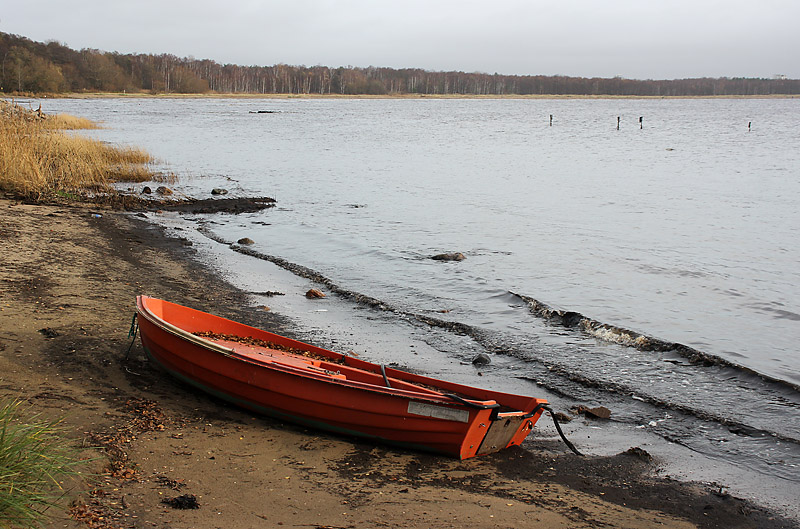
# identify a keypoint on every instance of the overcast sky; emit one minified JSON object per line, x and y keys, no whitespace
{"x":640,"y":39}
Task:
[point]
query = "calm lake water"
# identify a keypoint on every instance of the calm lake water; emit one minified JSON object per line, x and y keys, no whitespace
{"x":684,"y":228}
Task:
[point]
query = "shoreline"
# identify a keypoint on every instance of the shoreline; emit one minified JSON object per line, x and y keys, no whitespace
{"x":144,"y":95}
{"x":77,"y":277}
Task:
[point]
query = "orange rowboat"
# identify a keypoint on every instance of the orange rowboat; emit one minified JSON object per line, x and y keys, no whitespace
{"x":293,"y":381}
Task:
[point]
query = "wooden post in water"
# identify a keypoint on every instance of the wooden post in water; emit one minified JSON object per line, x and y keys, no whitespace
{"x":618,"y":118}
{"x":748,"y":125}
{"x":551,"y":120}
{"x":640,"y":122}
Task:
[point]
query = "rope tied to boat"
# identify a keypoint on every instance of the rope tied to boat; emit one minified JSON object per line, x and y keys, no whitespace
{"x":385,"y":378}
{"x":540,"y":406}
{"x":132,"y":333}
{"x":558,"y":426}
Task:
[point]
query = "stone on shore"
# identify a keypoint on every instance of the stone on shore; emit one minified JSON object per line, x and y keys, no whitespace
{"x":482,"y":359}
{"x":599,"y":412}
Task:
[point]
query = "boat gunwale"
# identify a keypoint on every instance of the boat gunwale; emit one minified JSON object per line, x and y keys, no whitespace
{"x":230,"y":353}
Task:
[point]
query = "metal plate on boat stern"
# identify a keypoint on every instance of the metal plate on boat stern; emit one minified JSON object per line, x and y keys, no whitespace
{"x":500,"y":433}
{"x":438,"y":412}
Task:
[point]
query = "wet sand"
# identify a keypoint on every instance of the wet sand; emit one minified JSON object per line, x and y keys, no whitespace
{"x":67,"y":294}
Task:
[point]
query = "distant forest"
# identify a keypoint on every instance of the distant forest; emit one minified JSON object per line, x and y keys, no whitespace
{"x":36,"y":67}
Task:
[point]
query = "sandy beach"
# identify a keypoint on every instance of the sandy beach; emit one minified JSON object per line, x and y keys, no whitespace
{"x":67,"y":294}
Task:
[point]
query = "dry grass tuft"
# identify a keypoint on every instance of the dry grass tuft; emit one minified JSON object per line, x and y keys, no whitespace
{"x":37,"y":158}
{"x":67,"y":122}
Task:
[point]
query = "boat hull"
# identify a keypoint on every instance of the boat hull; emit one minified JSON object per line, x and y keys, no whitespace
{"x":331,"y":391}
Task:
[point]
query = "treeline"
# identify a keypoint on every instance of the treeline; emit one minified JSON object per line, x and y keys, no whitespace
{"x":29,"y":66}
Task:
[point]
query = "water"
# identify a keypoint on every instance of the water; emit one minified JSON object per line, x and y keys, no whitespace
{"x":683,"y":230}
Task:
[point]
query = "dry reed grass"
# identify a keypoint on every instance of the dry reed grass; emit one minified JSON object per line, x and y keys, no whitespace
{"x":67,"y":122}
{"x":37,"y":158}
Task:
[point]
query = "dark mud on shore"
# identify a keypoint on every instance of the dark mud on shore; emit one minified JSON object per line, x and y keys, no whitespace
{"x":139,"y":203}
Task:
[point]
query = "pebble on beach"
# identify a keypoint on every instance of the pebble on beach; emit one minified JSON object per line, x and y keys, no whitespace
{"x":562,"y":417}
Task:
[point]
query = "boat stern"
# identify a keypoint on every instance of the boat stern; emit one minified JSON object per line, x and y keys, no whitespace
{"x":497,"y":431}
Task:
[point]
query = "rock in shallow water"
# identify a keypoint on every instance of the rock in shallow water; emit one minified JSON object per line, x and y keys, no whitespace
{"x":246,"y":241}
{"x":454,"y":256}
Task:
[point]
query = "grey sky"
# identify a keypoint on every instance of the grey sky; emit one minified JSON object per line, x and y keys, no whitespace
{"x":642,"y":39}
